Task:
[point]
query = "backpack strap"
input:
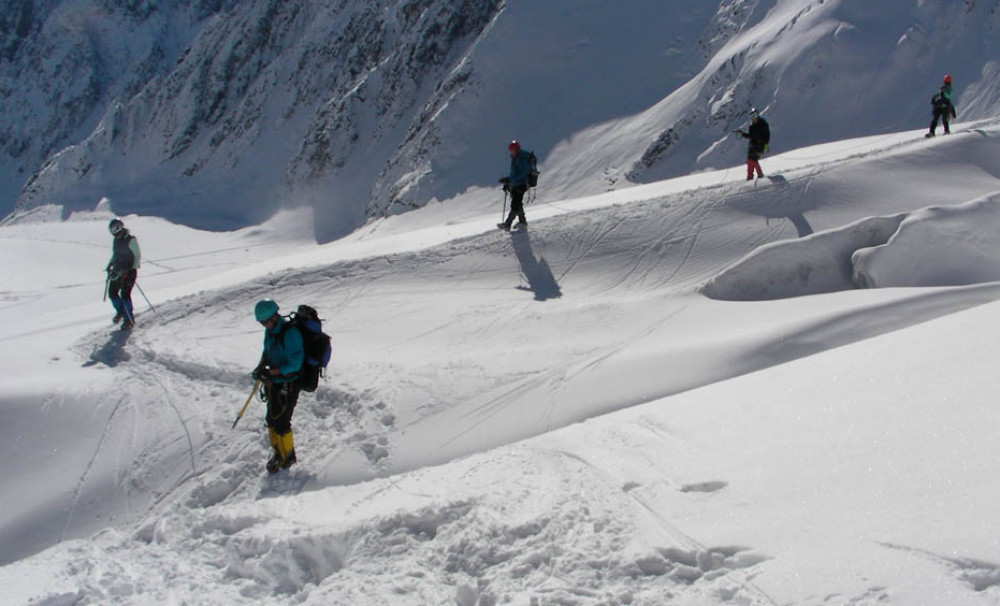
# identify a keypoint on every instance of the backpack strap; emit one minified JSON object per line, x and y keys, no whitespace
{"x":280,"y":335}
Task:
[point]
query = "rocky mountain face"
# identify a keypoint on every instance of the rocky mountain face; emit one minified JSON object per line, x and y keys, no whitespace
{"x":63,"y":64}
{"x":218,"y":112}
{"x":230,"y":107}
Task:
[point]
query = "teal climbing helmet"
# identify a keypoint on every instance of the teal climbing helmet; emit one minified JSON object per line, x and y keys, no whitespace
{"x":265,"y":309}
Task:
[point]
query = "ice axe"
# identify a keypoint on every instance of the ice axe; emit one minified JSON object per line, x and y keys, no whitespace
{"x":256,"y":386}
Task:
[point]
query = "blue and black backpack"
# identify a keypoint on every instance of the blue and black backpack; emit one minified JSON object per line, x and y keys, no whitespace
{"x":316,"y":344}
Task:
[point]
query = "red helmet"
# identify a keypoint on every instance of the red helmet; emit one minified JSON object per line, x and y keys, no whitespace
{"x":514,"y":146}
{"x":947,"y":79}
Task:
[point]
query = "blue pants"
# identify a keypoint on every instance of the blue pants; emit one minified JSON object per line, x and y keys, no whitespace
{"x":120,"y":293}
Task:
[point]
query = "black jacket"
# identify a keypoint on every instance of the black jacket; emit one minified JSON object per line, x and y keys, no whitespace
{"x":759,"y":135}
{"x":124,"y":253}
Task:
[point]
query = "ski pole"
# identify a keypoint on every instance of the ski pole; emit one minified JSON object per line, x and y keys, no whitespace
{"x":145,"y":297}
{"x":256,"y":386}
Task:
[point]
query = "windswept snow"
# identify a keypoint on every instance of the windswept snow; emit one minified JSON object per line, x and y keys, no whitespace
{"x":696,"y":391}
{"x":941,"y":246}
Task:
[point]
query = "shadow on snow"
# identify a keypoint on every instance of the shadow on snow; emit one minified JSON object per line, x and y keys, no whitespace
{"x":536,"y":271}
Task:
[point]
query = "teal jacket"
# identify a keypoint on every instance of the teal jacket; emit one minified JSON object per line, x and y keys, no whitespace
{"x":520,"y":167}
{"x":946,"y":92}
{"x":283,"y":350}
{"x":942,"y":100}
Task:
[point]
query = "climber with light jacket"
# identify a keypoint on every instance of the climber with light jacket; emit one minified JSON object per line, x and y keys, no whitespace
{"x":122,"y":269}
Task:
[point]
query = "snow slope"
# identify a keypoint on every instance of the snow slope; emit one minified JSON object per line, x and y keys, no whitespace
{"x":672,"y":393}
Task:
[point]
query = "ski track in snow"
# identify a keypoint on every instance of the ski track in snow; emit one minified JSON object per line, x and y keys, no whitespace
{"x":586,"y":244}
{"x":75,"y":499}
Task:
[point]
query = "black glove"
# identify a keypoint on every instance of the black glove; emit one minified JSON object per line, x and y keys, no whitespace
{"x":259,"y":374}
{"x":506,"y":187}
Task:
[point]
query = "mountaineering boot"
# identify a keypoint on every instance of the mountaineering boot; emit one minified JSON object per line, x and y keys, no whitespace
{"x":503,"y":226}
{"x":117,"y":318}
{"x":286,"y":446}
{"x":521,"y":225}
{"x":274,"y":463}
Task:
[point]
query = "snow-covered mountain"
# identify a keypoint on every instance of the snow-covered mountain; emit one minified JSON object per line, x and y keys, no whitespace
{"x":218,"y":112}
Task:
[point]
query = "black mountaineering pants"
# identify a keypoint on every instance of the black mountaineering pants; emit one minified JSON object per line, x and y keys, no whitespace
{"x":281,"y":401}
{"x":516,"y":205}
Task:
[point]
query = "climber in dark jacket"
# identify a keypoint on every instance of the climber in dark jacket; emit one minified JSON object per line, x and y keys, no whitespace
{"x":760,"y":138}
{"x":517,"y":184}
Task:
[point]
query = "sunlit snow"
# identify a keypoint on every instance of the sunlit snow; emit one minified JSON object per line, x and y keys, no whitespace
{"x":672,"y":393}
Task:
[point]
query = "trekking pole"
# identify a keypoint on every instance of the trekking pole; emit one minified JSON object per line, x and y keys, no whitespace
{"x":145,"y":297}
{"x":503,"y":213}
{"x":256,"y":386}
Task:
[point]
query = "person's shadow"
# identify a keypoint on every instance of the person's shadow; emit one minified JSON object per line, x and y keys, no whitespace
{"x":785,"y":200}
{"x":111,"y":353}
{"x":797,"y":218}
{"x":537,"y":271}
